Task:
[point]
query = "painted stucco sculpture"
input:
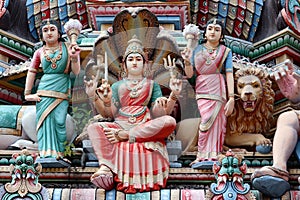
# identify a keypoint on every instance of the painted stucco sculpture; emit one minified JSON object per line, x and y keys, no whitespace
{"x":25,"y":179}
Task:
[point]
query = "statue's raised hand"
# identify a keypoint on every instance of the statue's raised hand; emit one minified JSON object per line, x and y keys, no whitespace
{"x":288,"y":81}
{"x":175,"y":85}
{"x":186,"y":54}
{"x":170,"y":65}
{"x":104,"y":91}
{"x":91,"y":86}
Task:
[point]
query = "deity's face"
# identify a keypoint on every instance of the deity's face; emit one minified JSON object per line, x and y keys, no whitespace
{"x":135,"y":64}
{"x":213,"y":32}
{"x":50,"y":34}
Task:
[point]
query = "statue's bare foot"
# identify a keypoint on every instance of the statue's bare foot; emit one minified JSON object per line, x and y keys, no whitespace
{"x":103,"y":178}
{"x":271,"y":181}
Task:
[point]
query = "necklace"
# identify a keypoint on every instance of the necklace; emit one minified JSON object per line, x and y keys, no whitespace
{"x":134,"y":91}
{"x":53,"y":60}
{"x":134,"y":81}
{"x":52,"y":49}
{"x":212,"y":54}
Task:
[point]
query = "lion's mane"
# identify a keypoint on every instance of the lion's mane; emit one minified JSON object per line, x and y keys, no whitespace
{"x":258,"y":121}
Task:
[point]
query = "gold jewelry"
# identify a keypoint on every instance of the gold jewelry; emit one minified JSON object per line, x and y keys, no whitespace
{"x":212,"y":53}
{"x":230,"y":95}
{"x":134,"y":91}
{"x":26,"y":92}
{"x":94,"y":98}
{"x":123,"y":73}
{"x":74,"y":60}
{"x":33,"y":70}
{"x":132,"y":117}
{"x":173,"y":96}
{"x":107,"y":104}
{"x":116,"y":134}
{"x":53,"y":60}
{"x":187,"y":62}
{"x":52,"y":49}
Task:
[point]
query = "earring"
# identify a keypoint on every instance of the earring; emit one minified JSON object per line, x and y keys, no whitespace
{"x":123,"y":73}
{"x":222,"y":39}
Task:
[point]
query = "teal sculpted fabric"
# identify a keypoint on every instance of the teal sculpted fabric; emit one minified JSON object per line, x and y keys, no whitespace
{"x":52,"y":131}
{"x":9,"y":116}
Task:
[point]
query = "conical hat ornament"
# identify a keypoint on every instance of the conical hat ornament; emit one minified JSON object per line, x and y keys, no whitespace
{"x":134,"y":46}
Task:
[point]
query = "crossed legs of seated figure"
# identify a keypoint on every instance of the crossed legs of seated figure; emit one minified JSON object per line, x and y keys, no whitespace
{"x":131,"y":166}
{"x":273,"y":180}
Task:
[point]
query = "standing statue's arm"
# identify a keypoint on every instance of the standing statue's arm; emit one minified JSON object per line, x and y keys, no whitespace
{"x":31,"y":74}
{"x":75,"y":58}
{"x":230,"y":84}
{"x":188,"y":67}
{"x":230,"y":89}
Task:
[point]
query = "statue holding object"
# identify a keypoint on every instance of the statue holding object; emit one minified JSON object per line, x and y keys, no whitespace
{"x":131,"y":150}
{"x":215,"y":95}
{"x":57,"y":60}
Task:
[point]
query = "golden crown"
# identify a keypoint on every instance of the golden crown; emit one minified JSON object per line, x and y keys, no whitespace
{"x":134,"y":46}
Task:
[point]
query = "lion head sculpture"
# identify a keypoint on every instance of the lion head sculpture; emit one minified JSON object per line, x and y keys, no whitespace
{"x":253,"y":113}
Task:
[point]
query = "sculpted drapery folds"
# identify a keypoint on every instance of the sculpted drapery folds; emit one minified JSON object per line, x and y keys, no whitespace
{"x":131,"y":150}
{"x":207,"y":63}
{"x":57,"y":59}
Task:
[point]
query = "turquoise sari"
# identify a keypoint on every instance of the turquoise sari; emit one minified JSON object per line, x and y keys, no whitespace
{"x":54,"y":90}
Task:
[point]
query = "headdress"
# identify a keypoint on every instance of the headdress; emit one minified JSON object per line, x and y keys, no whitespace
{"x":134,"y":46}
{"x":48,"y":22}
{"x":216,"y":21}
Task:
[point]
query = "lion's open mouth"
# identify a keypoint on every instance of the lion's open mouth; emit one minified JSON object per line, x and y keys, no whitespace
{"x":249,"y":105}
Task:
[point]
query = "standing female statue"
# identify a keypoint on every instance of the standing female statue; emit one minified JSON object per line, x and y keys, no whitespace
{"x":208,"y":63}
{"x":131,"y":150}
{"x":57,"y":61}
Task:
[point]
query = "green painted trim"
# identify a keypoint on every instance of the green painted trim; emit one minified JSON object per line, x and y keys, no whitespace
{"x":285,"y":38}
{"x":16,"y":44}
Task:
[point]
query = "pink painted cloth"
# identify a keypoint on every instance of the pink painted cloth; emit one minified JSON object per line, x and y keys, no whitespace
{"x":211,"y":99}
{"x":142,"y":165}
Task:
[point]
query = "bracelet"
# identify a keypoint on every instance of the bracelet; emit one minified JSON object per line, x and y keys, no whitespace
{"x":94,"y":98}
{"x":187,"y":62}
{"x":74,"y":60}
{"x":26,"y":92}
{"x":116,"y":134}
{"x":173,"y":97}
{"x":32,"y":70}
{"x":107,"y":104}
{"x":230,"y":95}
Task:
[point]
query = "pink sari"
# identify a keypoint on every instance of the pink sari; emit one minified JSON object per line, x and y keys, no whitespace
{"x":211,"y":99}
{"x":142,"y":165}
